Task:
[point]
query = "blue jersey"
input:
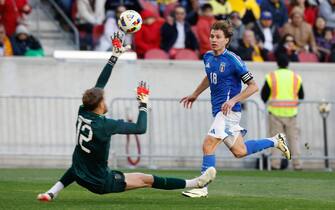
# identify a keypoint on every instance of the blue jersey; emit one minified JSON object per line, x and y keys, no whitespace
{"x":225,"y":73}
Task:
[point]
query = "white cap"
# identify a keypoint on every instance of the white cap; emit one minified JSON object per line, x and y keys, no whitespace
{"x":22,"y":29}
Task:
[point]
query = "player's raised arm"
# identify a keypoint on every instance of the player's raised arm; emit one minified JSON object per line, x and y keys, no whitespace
{"x":140,"y":127}
{"x":188,"y":100}
{"x":118,"y":49}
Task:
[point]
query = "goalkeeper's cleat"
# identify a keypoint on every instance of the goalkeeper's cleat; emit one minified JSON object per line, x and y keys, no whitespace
{"x":207,"y":177}
{"x":45,"y":197}
{"x":282,"y":145}
{"x":196,"y":193}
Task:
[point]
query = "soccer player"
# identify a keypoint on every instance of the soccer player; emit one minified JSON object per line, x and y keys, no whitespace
{"x":224,"y":73}
{"x":89,"y":160}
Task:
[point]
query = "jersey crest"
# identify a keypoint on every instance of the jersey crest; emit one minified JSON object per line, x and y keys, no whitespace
{"x":222,"y":65}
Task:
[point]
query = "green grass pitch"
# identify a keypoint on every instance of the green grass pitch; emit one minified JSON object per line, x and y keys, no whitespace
{"x":231,"y":190}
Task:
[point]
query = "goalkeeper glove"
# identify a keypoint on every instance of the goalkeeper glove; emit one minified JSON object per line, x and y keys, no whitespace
{"x":119,"y":46}
{"x":142,"y":93}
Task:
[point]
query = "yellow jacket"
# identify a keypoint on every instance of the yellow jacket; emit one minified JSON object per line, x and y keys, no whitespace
{"x":241,"y":7}
{"x":8,"y":50}
{"x":221,"y":9}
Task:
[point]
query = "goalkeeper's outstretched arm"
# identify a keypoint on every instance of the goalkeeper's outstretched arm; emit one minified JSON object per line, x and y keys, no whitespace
{"x":118,"y":49}
{"x":106,"y":72}
{"x":140,"y":127}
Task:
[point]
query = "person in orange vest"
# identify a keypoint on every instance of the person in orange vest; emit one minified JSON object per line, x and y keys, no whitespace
{"x":281,"y":91}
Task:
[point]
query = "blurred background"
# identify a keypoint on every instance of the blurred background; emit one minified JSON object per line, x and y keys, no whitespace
{"x":51,"y":51}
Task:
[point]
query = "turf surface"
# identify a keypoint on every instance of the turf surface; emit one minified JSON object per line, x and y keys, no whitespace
{"x":231,"y":190}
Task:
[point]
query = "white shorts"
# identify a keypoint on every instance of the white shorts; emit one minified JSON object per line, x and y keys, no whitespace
{"x":227,"y":126}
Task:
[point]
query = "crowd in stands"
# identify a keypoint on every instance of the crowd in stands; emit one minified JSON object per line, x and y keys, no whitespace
{"x":15,"y":37}
{"x":263,"y":29}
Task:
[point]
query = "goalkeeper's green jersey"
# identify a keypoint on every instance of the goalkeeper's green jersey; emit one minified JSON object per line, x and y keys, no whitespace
{"x":93,"y":133}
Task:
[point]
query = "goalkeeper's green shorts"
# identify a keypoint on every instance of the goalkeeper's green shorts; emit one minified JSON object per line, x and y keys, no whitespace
{"x":114,"y":183}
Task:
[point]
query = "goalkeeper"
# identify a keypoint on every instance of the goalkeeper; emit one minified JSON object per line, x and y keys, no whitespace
{"x":93,"y":132}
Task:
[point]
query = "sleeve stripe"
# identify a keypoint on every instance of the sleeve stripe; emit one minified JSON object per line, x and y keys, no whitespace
{"x":143,"y":109}
{"x":235,"y":58}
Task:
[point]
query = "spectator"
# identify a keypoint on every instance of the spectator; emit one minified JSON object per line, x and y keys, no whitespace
{"x":265,"y":32}
{"x":319,"y":29}
{"x":278,"y":11}
{"x":309,"y":7}
{"x":250,"y":50}
{"x":192,"y":7}
{"x":221,"y":7}
{"x":178,"y":34}
{"x":324,"y":45}
{"x":12,"y":13}
{"x":327,"y":11}
{"x":203,"y":27}
{"x":149,"y":36}
{"x":129,"y":4}
{"x":238,"y":31}
{"x":301,"y":31}
{"x":90,"y":13}
{"x":24,"y":43}
{"x":252,"y":12}
{"x":282,"y":89}
{"x":5,"y":45}
{"x":110,"y":27}
{"x":66,"y":6}
{"x":287,"y":46}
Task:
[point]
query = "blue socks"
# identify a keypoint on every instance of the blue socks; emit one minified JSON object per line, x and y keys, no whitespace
{"x":207,"y":161}
{"x":254,"y":146}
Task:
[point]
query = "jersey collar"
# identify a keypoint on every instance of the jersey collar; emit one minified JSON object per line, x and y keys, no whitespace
{"x":222,"y":54}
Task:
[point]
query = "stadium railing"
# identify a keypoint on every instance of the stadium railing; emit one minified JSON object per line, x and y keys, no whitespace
{"x":39,"y":130}
{"x":175,"y":135}
{"x":316,"y":123}
{"x":52,"y":10}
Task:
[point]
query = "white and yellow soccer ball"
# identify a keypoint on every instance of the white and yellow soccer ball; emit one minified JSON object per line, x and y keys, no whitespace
{"x":130,"y":21}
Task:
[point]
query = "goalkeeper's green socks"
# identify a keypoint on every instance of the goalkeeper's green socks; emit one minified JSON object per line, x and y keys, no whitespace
{"x":166,"y":183}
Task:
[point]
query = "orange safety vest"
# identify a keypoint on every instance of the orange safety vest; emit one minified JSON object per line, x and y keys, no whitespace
{"x":284,"y":85}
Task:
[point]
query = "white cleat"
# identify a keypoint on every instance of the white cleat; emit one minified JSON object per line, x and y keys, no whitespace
{"x":196,"y":193}
{"x":45,"y":197}
{"x":207,"y":177}
{"x":282,"y":145}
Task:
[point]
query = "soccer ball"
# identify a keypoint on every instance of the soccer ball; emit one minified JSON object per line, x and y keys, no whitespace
{"x":130,"y":21}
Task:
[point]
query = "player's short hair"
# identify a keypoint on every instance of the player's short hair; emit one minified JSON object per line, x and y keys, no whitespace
{"x":225,"y":26}
{"x":92,"y":98}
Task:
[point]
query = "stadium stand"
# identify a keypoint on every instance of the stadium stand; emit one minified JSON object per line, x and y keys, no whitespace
{"x":42,"y":24}
{"x":158,"y":54}
{"x":47,"y":23}
{"x":307,"y":57}
{"x":186,"y":54}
